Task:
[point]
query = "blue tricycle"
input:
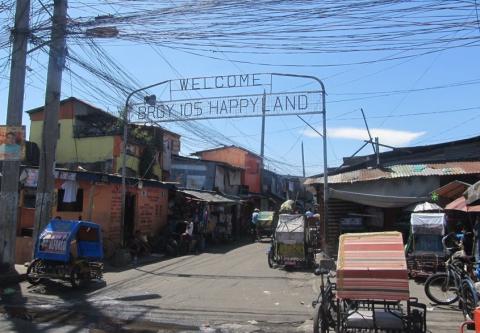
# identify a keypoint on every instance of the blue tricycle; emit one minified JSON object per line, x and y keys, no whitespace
{"x":67,"y":250}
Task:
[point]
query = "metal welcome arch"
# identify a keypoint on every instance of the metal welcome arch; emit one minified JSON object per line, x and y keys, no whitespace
{"x":257,"y":103}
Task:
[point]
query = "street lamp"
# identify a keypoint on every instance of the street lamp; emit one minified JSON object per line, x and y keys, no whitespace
{"x":151,"y":100}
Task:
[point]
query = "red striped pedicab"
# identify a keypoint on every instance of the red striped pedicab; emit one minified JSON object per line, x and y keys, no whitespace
{"x":371,"y":293}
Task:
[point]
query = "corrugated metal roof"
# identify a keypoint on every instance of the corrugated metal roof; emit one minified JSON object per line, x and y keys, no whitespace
{"x":401,"y":171}
{"x":452,"y":190}
{"x":208,"y":196}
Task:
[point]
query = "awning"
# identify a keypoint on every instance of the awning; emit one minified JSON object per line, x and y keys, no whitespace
{"x":210,"y":197}
{"x":374,"y":200}
{"x":460,"y":204}
{"x":472,"y":194}
{"x":423,"y":207}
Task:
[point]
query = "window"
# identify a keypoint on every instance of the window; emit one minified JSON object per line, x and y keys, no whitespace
{"x":76,"y":206}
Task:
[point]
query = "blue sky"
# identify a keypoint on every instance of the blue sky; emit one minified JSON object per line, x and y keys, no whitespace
{"x":412,"y":101}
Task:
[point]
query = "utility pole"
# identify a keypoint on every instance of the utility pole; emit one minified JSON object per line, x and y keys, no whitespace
{"x":11,"y":169}
{"x":377,"y":150}
{"x":56,"y":62}
{"x":304,"y":192}
{"x":303,"y":162}
{"x":262,"y":144}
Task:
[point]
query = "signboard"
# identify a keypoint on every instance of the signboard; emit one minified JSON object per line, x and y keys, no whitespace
{"x":231,"y":96}
{"x":12,"y":142}
{"x":54,"y":242}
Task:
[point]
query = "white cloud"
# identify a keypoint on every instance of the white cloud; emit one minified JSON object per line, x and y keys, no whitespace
{"x":386,"y":136}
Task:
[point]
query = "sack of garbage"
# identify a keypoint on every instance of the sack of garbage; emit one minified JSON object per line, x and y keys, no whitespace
{"x":287,"y":207}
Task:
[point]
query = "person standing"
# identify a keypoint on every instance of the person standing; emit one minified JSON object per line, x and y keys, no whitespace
{"x":253,"y":224}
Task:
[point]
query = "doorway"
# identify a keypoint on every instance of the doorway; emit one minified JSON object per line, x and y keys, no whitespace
{"x":129,"y":219}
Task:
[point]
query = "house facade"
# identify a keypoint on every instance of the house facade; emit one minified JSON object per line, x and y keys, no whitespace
{"x":370,"y":193}
{"x":241,"y":158}
{"x":197,"y":174}
{"x":92,"y":138}
{"x":94,"y":197}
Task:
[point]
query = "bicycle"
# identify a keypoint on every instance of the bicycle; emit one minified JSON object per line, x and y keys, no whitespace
{"x":453,"y":285}
{"x":325,"y":307}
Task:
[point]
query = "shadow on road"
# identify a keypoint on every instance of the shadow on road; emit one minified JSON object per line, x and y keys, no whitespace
{"x":14,"y":305}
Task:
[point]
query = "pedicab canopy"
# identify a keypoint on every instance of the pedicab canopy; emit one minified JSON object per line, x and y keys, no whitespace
{"x":290,"y":236}
{"x":62,"y":239}
{"x":372,"y":266}
{"x":265,"y":218}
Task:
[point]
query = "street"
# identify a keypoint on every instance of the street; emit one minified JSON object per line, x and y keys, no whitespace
{"x":229,"y":289}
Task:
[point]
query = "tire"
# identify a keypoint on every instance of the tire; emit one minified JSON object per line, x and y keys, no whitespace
{"x":77,"y":278}
{"x":184,"y":248}
{"x":470,"y":299}
{"x":437,"y":291}
{"x":32,"y":268}
{"x":271,"y":258}
{"x":320,"y":322}
{"x":172,"y":248}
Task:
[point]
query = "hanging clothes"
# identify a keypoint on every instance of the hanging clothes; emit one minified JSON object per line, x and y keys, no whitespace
{"x":70,"y":187}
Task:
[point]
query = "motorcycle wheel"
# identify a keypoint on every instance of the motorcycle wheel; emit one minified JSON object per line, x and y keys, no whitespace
{"x":33,"y":268}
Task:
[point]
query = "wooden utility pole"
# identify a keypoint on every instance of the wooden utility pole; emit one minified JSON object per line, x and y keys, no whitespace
{"x":56,"y":62}
{"x":11,"y":169}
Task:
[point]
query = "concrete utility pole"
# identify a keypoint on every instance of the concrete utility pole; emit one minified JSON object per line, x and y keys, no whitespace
{"x":303,"y":162}
{"x":56,"y":62}
{"x":262,"y":144}
{"x":11,"y":169}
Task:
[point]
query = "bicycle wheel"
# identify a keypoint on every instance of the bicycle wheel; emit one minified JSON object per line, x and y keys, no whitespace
{"x":271,"y":258}
{"x":440,"y":289}
{"x":470,"y":298}
{"x":325,"y":313}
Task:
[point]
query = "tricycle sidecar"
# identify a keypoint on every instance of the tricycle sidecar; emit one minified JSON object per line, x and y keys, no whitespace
{"x":67,"y":250}
{"x":371,"y":293}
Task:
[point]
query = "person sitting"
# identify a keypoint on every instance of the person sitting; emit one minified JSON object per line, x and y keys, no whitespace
{"x":139,"y":245}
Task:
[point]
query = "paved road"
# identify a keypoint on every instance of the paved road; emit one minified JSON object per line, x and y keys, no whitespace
{"x":231,"y":289}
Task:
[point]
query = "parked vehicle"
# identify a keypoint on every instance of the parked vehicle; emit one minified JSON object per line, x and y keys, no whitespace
{"x":266,"y":223}
{"x":362,"y":299}
{"x":455,"y":284}
{"x":292,"y":244}
{"x":67,"y":250}
{"x":424,"y":250}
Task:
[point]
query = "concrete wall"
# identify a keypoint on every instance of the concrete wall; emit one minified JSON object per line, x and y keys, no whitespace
{"x":230,"y":155}
{"x":102,"y":205}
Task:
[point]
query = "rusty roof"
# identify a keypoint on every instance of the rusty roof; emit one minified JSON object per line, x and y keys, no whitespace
{"x":451,"y":190}
{"x":401,"y":171}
